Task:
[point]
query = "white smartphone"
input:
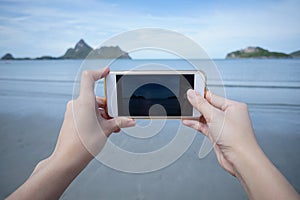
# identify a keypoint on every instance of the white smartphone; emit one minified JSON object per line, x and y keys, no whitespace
{"x":152,"y":94}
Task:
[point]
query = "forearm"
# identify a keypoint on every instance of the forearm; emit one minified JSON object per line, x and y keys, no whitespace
{"x":50,"y":178}
{"x":260,"y":178}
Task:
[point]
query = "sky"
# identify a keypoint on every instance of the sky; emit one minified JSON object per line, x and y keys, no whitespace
{"x":31,"y":28}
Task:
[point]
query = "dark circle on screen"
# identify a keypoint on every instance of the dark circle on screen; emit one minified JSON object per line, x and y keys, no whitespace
{"x":144,"y":97}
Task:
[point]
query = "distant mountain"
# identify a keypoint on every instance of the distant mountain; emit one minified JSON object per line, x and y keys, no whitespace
{"x":46,"y":58}
{"x":108,"y":53}
{"x":81,"y":51}
{"x":7,"y":56}
{"x":295,"y":54}
{"x":256,"y":52}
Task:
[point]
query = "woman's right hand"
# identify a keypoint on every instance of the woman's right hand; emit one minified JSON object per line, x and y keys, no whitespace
{"x":228,"y":126}
{"x":226,"y":123}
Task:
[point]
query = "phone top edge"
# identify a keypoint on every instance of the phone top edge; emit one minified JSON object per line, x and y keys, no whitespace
{"x":160,"y":117}
{"x":155,"y":72}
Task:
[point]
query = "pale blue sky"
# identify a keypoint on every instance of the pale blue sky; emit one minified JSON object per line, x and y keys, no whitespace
{"x":35,"y":28}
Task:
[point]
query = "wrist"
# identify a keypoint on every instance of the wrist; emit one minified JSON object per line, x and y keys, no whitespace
{"x":247,"y":154}
{"x":72,"y":160}
{"x":259,"y":177}
{"x":248,"y":165}
{"x":42,"y":164}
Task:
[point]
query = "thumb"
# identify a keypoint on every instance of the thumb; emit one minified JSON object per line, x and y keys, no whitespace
{"x":119,"y":122}
{"x":88,"y":79}
{"x":200,"y":103}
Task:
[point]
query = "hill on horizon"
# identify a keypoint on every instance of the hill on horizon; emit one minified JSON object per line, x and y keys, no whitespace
{"x":295,"y":54}
{"x":81,"y":51}
{"x":258,"y":52}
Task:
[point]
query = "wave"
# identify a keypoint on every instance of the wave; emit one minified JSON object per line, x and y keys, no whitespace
{"x":35,"y":94}
{"x":273,"y":105}
{"x":255,"y":86}
{"x":56,"y":95}
{"x":36,"y":80}
{"x":40,"y":80}
{"x":231,"y":84}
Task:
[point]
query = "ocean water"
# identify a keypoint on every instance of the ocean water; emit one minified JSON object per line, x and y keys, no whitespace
{"x":260,"y":83}
{"x":267,"y":86}
{"x":33,"y":95}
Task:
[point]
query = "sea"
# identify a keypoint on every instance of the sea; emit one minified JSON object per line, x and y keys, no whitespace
{"x":266,"y":84}
{"x":33,"y":97}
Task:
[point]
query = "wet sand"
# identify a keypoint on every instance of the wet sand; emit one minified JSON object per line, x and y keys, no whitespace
{"x":28,"y":133}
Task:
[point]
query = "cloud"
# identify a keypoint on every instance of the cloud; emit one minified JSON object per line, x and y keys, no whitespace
{"x":51,"y":27}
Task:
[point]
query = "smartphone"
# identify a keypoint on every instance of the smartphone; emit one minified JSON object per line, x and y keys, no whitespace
{"x":152,"y":94}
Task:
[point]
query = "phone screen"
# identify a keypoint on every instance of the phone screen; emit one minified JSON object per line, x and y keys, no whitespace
{"x":154,"y":95}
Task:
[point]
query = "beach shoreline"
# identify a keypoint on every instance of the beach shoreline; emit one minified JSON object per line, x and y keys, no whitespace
{"x":29,"y":137}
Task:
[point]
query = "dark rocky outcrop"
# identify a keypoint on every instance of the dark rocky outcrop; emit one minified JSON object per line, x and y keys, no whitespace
{"x":81,"y":51}
{"x":7,"y":56}
{"x":295,"y":54}
{"x":109,"y":53}
{"x":256,"y":52}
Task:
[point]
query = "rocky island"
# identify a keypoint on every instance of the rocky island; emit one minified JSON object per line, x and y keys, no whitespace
{"x":295,"y":54}
{"x":81,"y":51}
{"x":257,"y":52}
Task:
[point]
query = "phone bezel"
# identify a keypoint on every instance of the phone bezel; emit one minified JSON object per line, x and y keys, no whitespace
{"x":110,"y":85}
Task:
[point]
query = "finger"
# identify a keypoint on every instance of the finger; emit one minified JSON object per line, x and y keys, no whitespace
{"x":117,"y":131}
{"x":120,"y":122}
{"x":88,"y":79}
{"x":200,"y":103}
{"x":101,"y":102}
{"x":217,"y":101}
{"x":203,"y":128}
{"x":202,"y":119}
{"x":103,"y":113}
{"x":101,"y":106}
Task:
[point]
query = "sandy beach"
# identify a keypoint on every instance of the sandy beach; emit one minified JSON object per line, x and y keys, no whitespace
{"x":29,"y":132}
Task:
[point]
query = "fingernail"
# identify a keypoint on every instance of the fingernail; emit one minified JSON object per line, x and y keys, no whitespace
{"x":191,"y":94}
{"x":186,"y":122}
{"x":130,"y":122}
{"x":105,"y":71}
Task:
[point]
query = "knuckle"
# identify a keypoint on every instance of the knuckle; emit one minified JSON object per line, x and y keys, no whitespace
{"x":110,"y":127}
{"x":85,"y":74}
{"x":114,"y":124}
{"x":69,"y":108}
{"x":198,"y":126}
{"x":243,"y":106}
{"x":70,"y":104}
{"x":209,"y":96}
{"x":119,"y":123}
{"x":200,"y":103}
